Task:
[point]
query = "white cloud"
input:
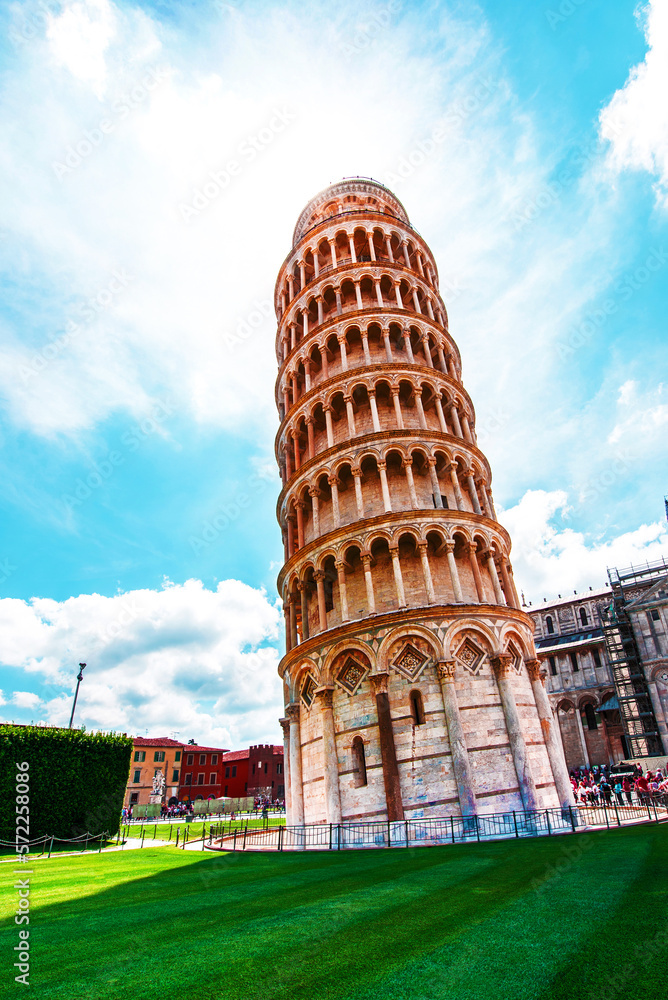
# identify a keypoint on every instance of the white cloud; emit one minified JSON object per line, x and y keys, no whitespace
{"x":635,"y":122}
{"x":183,"y":659}
{"x":80,"y":36}
{"x":26,"y":699}
{"x":548,"y":560}
{"x":640,"y":416}
{"x":89,"y":200}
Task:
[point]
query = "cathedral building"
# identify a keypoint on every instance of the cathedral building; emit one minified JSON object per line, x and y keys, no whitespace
{"x":412,"y":686}
{"x":606,"y":658}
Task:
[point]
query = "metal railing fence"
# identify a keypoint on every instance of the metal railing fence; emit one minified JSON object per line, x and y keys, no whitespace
{"x":434,"y":831}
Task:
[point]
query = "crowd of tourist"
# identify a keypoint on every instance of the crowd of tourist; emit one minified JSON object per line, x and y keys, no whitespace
{"x":180,"y":810}
{"x":600,"y":785}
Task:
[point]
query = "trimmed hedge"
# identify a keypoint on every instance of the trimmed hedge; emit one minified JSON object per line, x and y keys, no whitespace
{"x":77,"y":780}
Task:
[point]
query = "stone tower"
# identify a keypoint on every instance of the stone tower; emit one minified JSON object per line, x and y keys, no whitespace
{"x":411,"y":681}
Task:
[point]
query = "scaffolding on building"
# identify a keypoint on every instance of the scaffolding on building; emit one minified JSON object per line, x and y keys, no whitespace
{"x":635,"y":704}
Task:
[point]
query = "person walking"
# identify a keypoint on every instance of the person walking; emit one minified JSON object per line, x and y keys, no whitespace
{"x":618,"y":790}
{"x":627,"y":785}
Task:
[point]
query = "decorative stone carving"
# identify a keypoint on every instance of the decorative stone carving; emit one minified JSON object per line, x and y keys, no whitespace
{"x":351,"y":674}
{"x":411,"y":661}
{"x":516,"y":657}
{"x":470,"y":655}
{"x":308,"y":690}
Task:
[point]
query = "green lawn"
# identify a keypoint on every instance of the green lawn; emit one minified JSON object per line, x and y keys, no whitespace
{"x":471,"y":922}
{"x":194,"y":828}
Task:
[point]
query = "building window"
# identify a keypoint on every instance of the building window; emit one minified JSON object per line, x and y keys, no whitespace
{"x":279,"y":769}
{"x":159,"y":756}
{"x":553,"y":665}
{"x":175,"y":775}
{"x":140,"y":756}
{"x":549,"y":625}
{"x":190,"y":759}
{"x":212,"y":779}
{"x":253,"y":768}
{"x":596,"y":656}
{"x":177,"y":756}
{"x":227,"y":772}
{"x":137,"y":776}
{"x":359,"y":763}
{"x":226,"y":787}
{"x":214,"y":758}
{"x":266,"y":768}
{"x":444,"y":501}
{"x":202,"y":758}
{"x":234,"y":770}
{"x":189,"y":779}
{"x":590,"y":716}
{"x":583,"y":616}
{"x":200,"y":779}
{"x":655,"y":614}
{"x":574,"y":661}
{"x":134,"y":798}
{"x":417,"y":708}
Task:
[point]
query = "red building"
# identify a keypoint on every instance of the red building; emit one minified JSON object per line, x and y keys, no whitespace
{"x":235,"y":774}
{"x":266,"y":775}
{"x":201,"y":773}
{"x":207,"y":773}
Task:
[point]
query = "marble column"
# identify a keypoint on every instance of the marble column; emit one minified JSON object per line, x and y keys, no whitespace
{"x":320,"y":586}
{"x":285,"y":726}
{"x":503,"y":669}
{"x":454,"y":478}
{"x":388,"y":752}
{"x":325,"y":696}
{"x":426,"y":572}
{"x":368,"y":581}
{"x":461,"y":764}
{"x":549,"y":726}
{"x":296,"y":790}
{"x":341,"y":570}
{"x":303,"y":598}
{"x":472,"y":550}
{"x":398,"y":579}
{"x":454,"y":573}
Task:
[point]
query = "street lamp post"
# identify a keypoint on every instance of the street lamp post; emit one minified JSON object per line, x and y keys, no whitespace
{"x":76,"y":693}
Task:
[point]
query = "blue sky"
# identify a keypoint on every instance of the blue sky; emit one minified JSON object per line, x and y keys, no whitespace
{"x":138,"y":483}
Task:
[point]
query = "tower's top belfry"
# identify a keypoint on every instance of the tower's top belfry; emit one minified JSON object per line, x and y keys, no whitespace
{"x":397,"y":585}
{"x":353,"y":194}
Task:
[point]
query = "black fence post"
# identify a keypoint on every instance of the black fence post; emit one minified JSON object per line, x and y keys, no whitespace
{"x":517,"y":832}
{"x":452,"y":829}
{"x":389,"y":832}
{"x":547,"y":817}
{"x":570,"y":809}
{"x":234,"y":845}
{"x":477,"y":827}
{"x":51,"y":846}
{"x":330,"y":836}
{"x":280,"y":837}
{"x":605,"y":810}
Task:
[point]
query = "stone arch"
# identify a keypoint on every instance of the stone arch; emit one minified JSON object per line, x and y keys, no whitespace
{"x":305,"y":668}
{"x":464,"y":626}
{"x":340,"y":650}
{"x":427,"y":643}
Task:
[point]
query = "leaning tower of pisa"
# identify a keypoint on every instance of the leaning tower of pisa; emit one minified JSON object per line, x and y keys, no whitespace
{"x":410,"y":676}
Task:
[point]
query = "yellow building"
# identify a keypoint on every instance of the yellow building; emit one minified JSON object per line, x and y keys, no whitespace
{"x":155,"y":768}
